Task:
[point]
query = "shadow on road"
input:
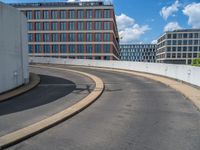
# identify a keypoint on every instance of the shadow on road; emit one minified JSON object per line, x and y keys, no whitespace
{"x":49,"y":90}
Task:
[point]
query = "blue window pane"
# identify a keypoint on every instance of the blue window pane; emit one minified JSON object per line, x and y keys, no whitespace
{"x":55,"y":48}
{"x":46,"y":49}
{"x":71,"y":49}
{"x":89,"y":48}
{"x":63,"y":48}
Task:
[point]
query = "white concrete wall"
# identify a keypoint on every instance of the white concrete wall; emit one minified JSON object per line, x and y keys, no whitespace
{"x":13,"y":48}
{"x":184,"y":73}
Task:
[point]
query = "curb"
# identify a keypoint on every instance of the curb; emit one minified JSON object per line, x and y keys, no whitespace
{"x":34,"y":81}
{"x":24,"y":133}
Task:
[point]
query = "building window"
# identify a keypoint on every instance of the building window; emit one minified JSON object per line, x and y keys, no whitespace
{"x":46,"y":14}
{"x":98,"y":48}
{"x":30,"y":37}
{"x":38,"y":49}
{"x":54,"y":14}
{"x":169,"y":36}
{"x":55,"y":48}
{"x":63,"y":48}
{"x":37,"y":26}
{"x":106,"y":48}
{"x":37,"y":37}
{"x":173,"y":49}
{"x":88,"y":48}
{"x":106,"y":25}
{"x":71,"y":25}
{"x":106,"y":37}
{"x":30,"y":48}
{"x":80,"y":57}
{"x":168,"y":49}
{"x":80,"y":14}
{"x":190,"y":42}
{"x":195,"y":55}
{"x":174,"y":36}
{"x":190,"y":48}
{"x":179,"y":42}
{"x":80,"y":25}
{"x":29,"y":15}
{"x":89,"y":37}
{"x":196,"y":35}
{"x":184,"y":49}
{"x":174,"y":42}
{"x":46,"y":26}
{"x":54,"y":26}
{"x":97,"y":25}
{"x":185,"y":35}
{"x":173,"y":55}
{"x":80,"y":37}
{"x":183,"y":55}
{"x":63,"y":26}
{"x":30,"y":26}
{"x":97,"y":13}
{"x":71,"y":37}
{"x":46,"y":37}
{"x":98,"y":37}
{"x":106,"y":13}
{"x":106,"y":58}
{"x":184,"y":42}
{"x":63,"y":37}
{"x":80,"y":49}
{"x":88,"y":13}
{"x":54,"y":37}
{"x":46,"y":49}
{"x":180,"y":36}
{"x":71,"y":14}
{"x":71,"y":49}
{"x":63,"y":14}
{"x":195,"y":48}
{"x":196,"y":42}
{"x":89,"y":25}
{"x":37,"y":14}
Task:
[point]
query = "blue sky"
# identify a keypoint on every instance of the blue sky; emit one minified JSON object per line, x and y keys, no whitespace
{"x":143,"y":21}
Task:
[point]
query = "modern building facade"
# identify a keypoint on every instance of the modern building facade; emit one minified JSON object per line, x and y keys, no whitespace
{"x":179,"y":46}
{"x":78,"y":30}
{"x":138,"y":52}
{"x":13,"y":48}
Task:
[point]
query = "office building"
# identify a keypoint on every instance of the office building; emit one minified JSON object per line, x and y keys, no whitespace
{"x":179,"y":46}
{"x":76,"y":30}
{"x":138,"y":52}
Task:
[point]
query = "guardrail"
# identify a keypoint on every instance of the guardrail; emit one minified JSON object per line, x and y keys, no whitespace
{"x":185,"y":73}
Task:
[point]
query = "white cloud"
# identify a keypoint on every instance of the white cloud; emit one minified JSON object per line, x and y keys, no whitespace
{"x":124,"y":21}
{"x":154,"y":42}
{"x":168,"y":11}
{"x":129,"y":31}
{"x":193,"y":12}
{"x":172,"y":26}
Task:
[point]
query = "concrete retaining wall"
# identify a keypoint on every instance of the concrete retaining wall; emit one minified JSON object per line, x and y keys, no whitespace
{"x":184,"y":73}
{"x":13,"y":48}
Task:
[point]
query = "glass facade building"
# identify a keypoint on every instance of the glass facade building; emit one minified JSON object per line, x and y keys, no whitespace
{"x":78,"y":30}
{"x":179,"y":46}
{"x":138,"y":52}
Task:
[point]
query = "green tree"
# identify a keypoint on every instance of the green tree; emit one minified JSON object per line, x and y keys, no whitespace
{"x":196,"y":62}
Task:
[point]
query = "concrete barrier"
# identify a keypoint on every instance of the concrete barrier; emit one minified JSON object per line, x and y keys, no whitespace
{"x":185,"y":73}
{"x":13,"y":48}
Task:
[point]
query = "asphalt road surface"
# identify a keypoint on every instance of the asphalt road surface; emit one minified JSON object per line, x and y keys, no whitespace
{"x":53,"y":94}
{"x":133,"y":113}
